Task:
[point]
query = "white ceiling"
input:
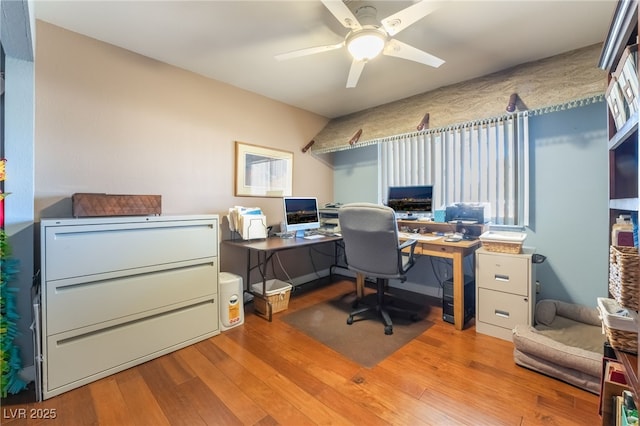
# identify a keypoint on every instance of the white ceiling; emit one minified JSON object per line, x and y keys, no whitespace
{"x":235,"y":42}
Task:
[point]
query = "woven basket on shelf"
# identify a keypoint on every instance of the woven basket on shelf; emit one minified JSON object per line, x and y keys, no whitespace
{"x":620,"y":325}
{"x":502,"y":247}
{"x":624,"y":273}
{"x":626,"y":341}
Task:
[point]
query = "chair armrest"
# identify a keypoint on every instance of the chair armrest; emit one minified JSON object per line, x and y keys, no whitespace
{"x":404,"y":267}
{"x":408,"y":243}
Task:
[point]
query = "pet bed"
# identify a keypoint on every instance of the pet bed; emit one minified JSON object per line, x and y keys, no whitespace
{"x":566,"y":343}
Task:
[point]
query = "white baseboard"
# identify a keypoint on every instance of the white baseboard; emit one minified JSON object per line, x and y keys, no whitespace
{"x":303,"y":279}
{"x":407,"y":285}
{"x":417,"y":288}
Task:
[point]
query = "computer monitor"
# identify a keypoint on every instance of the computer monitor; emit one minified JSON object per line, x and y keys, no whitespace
{"x":300,"y":214}
{"x":411,"y":201}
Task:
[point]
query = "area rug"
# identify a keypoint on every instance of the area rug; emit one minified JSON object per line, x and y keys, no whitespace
{"x":363,"y":341}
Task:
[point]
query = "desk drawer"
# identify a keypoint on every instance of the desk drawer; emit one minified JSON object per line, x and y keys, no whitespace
{"x":504,"y":273}
{"x":502,"y":309}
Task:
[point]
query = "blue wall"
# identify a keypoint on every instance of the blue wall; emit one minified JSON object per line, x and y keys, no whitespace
{"x":569,"y":211}
{"x":568,"y":206}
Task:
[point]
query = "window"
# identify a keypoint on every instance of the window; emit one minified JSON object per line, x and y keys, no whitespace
{"x":480,"y":162}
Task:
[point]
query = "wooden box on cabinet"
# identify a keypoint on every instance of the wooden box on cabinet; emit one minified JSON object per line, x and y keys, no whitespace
{"x":96,"y":205}
{"x":505,"y":285}
{"x":120,"y":291}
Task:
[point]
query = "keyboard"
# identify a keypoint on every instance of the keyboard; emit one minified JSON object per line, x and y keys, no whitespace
{"x":313,"y":236}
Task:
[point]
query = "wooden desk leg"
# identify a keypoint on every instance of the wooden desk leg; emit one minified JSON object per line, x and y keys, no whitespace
{"x":359,"y":285}
{"x":458,"y":290}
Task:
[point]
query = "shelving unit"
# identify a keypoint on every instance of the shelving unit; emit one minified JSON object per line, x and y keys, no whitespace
{"x":623,"y":144}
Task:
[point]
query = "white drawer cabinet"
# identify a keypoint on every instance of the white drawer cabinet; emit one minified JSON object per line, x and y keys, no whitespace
{"x":120,"y":291}
{"x":505,"y":291}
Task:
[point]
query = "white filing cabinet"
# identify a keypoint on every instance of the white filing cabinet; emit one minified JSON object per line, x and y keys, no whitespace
{"x":119,"y":291}
{"x":505,"y":286}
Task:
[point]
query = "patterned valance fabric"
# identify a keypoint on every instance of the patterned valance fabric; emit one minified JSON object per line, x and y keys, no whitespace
{"x":559,"y":80}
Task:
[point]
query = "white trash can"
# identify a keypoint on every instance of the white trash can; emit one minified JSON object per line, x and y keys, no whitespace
{"x":231,"y":300}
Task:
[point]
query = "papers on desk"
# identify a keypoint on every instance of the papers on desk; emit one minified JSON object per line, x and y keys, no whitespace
{"x":249,"y":222}
{"x":419,"y":237}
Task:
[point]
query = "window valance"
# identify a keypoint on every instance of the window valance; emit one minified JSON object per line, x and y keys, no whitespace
{"x":557,"y":82}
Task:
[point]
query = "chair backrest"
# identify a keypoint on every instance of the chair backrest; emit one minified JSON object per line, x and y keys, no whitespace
{"x":370,"y":235}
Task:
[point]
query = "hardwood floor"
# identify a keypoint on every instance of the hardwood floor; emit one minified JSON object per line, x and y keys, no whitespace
{"x":265,"y":373}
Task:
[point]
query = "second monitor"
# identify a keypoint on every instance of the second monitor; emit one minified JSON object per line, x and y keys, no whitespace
{"x":411,"y":202}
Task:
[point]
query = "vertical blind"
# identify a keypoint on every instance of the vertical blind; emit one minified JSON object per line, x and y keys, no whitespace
{"x":479,"y":162}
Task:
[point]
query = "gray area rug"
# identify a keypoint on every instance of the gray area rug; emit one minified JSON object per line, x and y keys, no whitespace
{"x":363,"y":341}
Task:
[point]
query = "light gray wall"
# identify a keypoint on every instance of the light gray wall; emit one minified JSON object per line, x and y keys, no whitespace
{"x":19,"y":224}
{"x":356,"y":175}
{"x":569,"y":215}
{"x":17,"y":40}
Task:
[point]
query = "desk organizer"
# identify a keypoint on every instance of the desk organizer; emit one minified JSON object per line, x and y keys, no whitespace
{"x":620,"y":325}
{"x":624,"y":272}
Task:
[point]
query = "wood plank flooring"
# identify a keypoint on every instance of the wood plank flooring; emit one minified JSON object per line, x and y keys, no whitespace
{"x":265,"y":373}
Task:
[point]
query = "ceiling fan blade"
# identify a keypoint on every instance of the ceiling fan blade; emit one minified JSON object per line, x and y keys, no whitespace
{"x":402,"y":50}
{"x":342,"y":14}
{"x":354,"y":72}
{"x":397,"y":22}
{"x":308,"y":51}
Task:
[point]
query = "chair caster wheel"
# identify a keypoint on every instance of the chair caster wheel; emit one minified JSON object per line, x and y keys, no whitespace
{"x":350,"y":320}
{"x":388,"y":330}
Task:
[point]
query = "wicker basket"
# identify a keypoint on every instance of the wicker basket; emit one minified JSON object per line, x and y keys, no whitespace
{"x":625,"y":341}
{"x":624,"y":275}
{"x":277,"y":295}
{"x":502,"y":247}
{"x":621,"y":330}
{"x":503,"y":242}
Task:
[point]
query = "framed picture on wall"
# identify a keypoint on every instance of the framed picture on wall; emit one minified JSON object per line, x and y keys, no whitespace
{"x":262,"y":171}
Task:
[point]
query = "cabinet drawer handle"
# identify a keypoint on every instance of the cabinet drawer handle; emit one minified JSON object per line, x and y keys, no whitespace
{"x":500,"y":277}
{"x":503,"y":314}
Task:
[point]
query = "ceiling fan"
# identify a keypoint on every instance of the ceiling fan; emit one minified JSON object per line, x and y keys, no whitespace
{"x":367,"y":38}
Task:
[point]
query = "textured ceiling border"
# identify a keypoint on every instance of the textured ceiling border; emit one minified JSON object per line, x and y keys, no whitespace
{"x":575,"y":103}
{"x":552,"y":81}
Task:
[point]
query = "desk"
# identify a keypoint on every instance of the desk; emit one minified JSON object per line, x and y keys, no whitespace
{"x":456,"y":251}
{"x":264,"y":250}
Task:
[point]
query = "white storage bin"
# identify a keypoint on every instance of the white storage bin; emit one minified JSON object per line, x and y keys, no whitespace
{"x":231,"y":300}
{"x":620,"y":325}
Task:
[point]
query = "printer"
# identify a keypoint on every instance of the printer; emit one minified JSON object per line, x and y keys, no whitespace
{"x":466,"y":213}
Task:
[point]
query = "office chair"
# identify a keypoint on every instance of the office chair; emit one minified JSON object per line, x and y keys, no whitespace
{"x":370,"y":235}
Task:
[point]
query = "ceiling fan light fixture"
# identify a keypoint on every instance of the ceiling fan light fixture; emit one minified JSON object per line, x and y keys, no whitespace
{"x":366,"y":44}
